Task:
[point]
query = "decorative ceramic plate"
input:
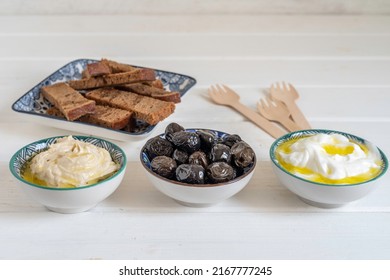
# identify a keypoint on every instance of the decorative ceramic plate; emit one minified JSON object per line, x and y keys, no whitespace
{"x":34,"y":106}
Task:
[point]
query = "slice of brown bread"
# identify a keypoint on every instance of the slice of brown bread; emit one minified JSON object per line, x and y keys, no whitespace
{"x":96,"y":69}
{"x":117,"y":67}
{"x":104,"y":116}
{"x":154,"y":92}
{"x":156,"y":83}
{"x":135,"y":76}
{"x":145,"y":108}
{"x":109,"y":117}
{"x":53,"y":111}
{"x":69,"y":101}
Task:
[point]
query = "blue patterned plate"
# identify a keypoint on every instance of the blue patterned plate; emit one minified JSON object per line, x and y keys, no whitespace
{"x":34,"y":106}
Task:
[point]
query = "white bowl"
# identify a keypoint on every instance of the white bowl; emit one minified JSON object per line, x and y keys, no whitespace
{"x":196,"y":195}
{"x":319,"y":194}
{"x":68,"y":200}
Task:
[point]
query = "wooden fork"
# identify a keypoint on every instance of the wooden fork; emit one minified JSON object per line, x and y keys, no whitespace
{"x":223,"y":95}
{"x":277,"y":111}
{"x":288,"y":94}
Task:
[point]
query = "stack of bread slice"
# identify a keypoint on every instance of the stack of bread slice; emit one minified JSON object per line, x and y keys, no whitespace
{"x":112,"y":95}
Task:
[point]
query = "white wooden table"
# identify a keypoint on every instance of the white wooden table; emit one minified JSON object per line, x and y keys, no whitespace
{"x":341,"y":67}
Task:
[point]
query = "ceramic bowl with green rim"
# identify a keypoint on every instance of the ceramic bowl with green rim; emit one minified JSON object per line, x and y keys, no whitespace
{"x":68,"y":199}
{"x":314,"y":169}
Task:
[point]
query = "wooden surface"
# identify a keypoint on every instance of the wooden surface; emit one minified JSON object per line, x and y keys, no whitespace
{"x":340,"y":66}
{"x":192,"y":7}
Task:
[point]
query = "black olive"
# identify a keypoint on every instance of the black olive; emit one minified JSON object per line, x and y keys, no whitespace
{"x":190,"y":173}
{"x":180,"y":156}
{"x":207,"y":139}
{"x":220,"y":152}
{"x":186,"y":141}
{"x":200,"y":158}
{"x":242,"y":154}
{"x":158,"y":146}
{"x":164,"y":166}
{"x":185,"y":156}
{"x":220,"y":172}
{"x":171,"y":129}
{"x":238,"y":171}
{"x":230,"y":140}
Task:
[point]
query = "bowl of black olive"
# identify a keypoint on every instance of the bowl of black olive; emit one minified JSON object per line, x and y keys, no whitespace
{"x":198,"y":167}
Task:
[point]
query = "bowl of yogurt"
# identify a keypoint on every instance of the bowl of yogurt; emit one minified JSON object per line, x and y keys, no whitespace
{"x":327,"y":168}
{"x":69,"y":174}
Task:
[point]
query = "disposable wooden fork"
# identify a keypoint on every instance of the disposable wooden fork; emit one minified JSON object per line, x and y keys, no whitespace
{"x":223,"y":95}
{"x":288,"y":94}
{"x":277,"y":111}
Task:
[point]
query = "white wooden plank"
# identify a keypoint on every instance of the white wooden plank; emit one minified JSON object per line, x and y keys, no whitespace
{"x":192,"y":236}
{"x":318,"y":103}
{"x":137,"y":222}
{"x":191,"y":7}
{"x":249,"y":132}
{"x":376,"y":132}
{"x":214,"y":46}
{"x":205,"y":24}
{"x":323,"y":107}
{"x":231,"y":71}
{"x":309,"y":72}
{"x":263,"y":194}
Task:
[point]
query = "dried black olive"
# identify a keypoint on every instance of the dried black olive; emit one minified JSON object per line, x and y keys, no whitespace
{"x":164,"y":166}
{"x":186,"y":141}
{"x":171,"y":129}
{"x":158,"y":146}
{"x":207,"y":139}
{"x":180,"y":156}
{"x":220,"y":152}
{"x":242,"y":154}
{"x":220,"y":172}
{"x":190,"y":173}
{"x":230,"y":140}
{"x":200,"y":158}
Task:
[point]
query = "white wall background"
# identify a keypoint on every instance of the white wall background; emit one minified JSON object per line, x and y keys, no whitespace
{"x":167,"y":7}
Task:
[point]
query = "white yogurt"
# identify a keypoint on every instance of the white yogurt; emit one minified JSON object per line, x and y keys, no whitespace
{"x":329,"y":156}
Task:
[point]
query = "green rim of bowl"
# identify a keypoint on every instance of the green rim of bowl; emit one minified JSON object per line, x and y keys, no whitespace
{"x":307,"y":132}
{"x":78,"y":137}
